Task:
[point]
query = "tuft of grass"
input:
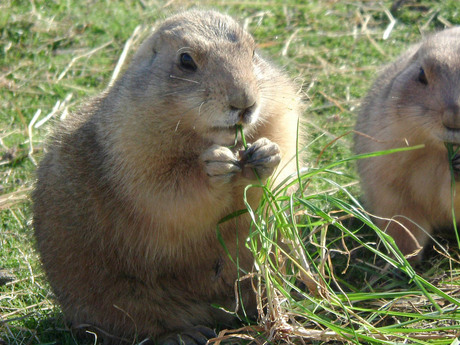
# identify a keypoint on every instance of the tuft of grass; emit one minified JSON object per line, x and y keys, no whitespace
{"x":354,"y":287}
{"x":324,"y":273}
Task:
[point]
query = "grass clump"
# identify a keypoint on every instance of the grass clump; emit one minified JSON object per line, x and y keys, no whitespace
{"x":355,"y":288}
{"x":325,"y":273}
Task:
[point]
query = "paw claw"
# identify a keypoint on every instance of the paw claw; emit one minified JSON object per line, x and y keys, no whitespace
{"x":263,"y":157}
{"x":220,"y":163}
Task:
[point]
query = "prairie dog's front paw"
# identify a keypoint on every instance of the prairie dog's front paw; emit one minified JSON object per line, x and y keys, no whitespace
{"x":263,"y":156}
{"x":220,"y":163}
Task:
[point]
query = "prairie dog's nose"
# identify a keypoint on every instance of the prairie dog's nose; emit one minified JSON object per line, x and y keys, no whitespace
{"x":242,"y":99}
{"x":245,"y":115}
{"x":451,"y":116}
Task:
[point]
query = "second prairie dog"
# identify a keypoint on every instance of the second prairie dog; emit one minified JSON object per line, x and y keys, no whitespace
{"x":133,"y":185}
{"x":414,"y":101}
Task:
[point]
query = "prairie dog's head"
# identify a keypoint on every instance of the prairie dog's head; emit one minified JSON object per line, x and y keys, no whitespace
{"x":199,"y":71}
{"x":427,"y":91}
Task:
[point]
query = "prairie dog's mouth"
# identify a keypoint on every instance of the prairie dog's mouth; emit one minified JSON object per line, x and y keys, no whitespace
{"x":224,"y":128}
{"x":451,"y":135}
{"x":226,"y":135}
{"x":237,"y":118}
{"x":230,"y":129}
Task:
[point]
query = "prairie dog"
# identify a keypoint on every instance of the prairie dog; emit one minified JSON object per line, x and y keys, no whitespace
{"x":129,"y":195}
{"x":415,"y":100}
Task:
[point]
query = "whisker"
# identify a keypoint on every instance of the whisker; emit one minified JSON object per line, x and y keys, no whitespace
{"x":183,"y":114}
{"x":274,"y":100}
{"x":179,"y":91}
{"x":184,"y":79}
{"x":199,"y":109}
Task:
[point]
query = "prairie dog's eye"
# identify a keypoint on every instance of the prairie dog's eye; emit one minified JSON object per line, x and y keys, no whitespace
{"x":186,"y":62}
{"x":422,"y":77}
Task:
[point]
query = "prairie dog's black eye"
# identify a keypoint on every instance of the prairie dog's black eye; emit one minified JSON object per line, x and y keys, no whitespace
{"x":186,"y":62}
{"x":422,"y":77}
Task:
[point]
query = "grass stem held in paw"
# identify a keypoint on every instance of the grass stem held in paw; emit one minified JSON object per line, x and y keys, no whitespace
{"x":237,"y":128}
{"x":243,"y":139}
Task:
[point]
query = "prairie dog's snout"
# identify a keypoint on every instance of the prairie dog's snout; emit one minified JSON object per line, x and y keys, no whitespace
{"x":242,"y":93}
{"x":436,"y":90}
{"x":451,"y":115}
{"x":244,"y":100}
{"x":437,"y":72}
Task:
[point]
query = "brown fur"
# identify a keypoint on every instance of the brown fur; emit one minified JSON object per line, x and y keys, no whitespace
{"x":401,"y":110}
{"x":132,"y":187}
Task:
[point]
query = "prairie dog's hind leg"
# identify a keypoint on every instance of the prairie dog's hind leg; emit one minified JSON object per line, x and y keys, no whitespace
{"x":409,"y":234}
